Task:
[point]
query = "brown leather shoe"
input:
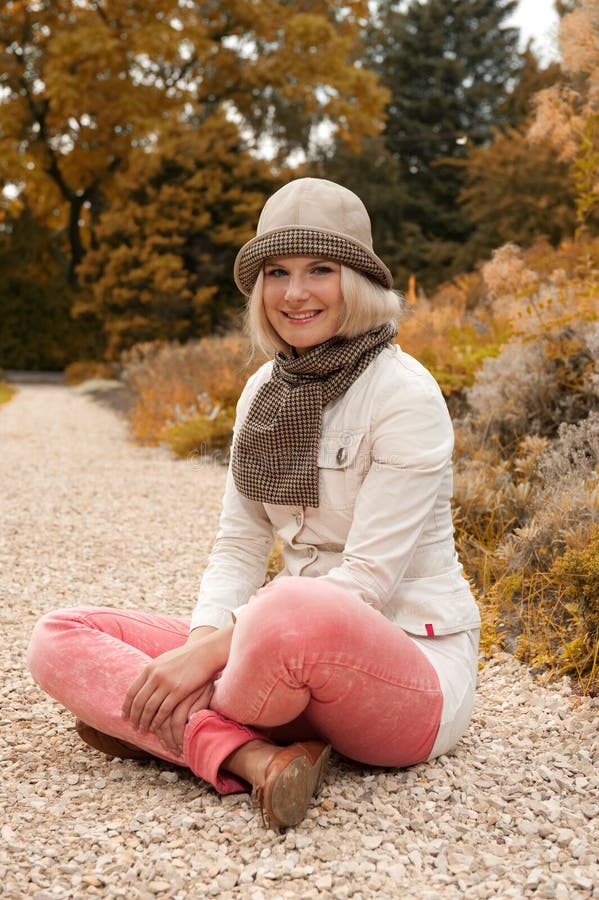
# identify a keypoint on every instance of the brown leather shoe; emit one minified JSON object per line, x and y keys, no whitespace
{"x":105,"y":743}
{"x":293,"y":776}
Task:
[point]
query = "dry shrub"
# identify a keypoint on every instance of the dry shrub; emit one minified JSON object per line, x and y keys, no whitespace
{"x":546,"y":374}
{"x":86,"y":369}
{"x":533,"y":387}
{"x":563,"y":500}
{"x":203,"y":436}
{"x":453,"y":332}
{"x":577,"y":573}
{"x":175,"y":384}
{"x":527,"y":459}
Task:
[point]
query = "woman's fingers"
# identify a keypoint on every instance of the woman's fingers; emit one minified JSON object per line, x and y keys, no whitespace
{"x":176,"y":723}
{"x":167,"y":738}
{"x":177,"y":676}
{"x":130,"y":696}
{"x":158,"y":706}
{"x":203,"y":701}
{"x":171,"y":730}
{"x":184,"y":711}
{"x":150,"y":694}
{"x":175,"y":707}
{"x":140,"y":701}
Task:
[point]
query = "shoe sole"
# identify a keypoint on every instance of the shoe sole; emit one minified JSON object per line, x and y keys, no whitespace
{"x":294,"y":788}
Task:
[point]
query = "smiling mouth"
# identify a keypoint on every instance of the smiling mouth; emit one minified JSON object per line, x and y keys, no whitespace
{"x":303,"y":317}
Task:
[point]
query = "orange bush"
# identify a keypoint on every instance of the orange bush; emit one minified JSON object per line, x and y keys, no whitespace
{"x":176,"y":383}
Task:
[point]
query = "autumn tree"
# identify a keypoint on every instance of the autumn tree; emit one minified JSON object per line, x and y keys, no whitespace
{"x":163,"y":265}
{"x":567,"y":114}
{"x":84,"y":83}
{"x":519,"y":104}
{"x":514,"y":189}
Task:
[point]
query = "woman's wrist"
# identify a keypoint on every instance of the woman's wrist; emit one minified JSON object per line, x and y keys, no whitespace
{"x":215,"y":643}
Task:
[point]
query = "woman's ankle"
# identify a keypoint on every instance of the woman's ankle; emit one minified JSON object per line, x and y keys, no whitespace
{"x":250,"y":761}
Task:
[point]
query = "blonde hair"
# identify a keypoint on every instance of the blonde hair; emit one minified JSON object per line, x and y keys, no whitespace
{"x":366,"y":305}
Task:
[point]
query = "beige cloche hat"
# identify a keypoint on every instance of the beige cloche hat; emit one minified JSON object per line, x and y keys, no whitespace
{"x":311,"y":217}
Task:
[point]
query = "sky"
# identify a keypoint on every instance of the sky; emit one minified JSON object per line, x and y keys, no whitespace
{"x":537,"y":19}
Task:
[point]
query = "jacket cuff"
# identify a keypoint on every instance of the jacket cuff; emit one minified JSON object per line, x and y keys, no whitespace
{"x":211,"y":614}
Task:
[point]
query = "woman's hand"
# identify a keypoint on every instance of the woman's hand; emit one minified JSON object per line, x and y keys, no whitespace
{"x":176,"y":684}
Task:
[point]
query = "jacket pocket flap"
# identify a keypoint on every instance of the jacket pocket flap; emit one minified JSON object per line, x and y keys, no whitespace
{"x":338,"y":451}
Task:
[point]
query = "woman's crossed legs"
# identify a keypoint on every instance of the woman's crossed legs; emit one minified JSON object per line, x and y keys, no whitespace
{"x":307,"y":661}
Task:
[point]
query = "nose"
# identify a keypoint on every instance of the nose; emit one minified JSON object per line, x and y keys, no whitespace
{"x":297,"y":288}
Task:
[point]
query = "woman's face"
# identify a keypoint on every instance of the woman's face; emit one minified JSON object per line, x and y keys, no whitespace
{"x":302,"y":299}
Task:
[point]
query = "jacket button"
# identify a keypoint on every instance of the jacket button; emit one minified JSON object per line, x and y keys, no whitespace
{"x":341,"y":456}
{"x":298,"y":518}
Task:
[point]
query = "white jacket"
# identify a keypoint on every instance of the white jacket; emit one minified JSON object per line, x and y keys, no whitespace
{"x":383,"y":530}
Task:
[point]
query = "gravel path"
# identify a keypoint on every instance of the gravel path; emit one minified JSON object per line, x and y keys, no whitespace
{"x":87,"y":518}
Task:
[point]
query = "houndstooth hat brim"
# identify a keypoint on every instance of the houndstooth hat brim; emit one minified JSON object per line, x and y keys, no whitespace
{"x":301,"y":241}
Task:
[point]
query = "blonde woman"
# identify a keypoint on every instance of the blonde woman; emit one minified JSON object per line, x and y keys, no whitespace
{"x":367,"y":641}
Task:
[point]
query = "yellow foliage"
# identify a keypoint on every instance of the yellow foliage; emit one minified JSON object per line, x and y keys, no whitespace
{"x":166,"y":247}
{"x":87,"y":84}
{"x":201,"y":436}
{"x":541,"y":290}
{"x":6,"y":392}
{"x":451,"y":333}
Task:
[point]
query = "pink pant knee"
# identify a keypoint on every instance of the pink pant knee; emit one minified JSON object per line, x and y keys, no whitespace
{"x":305,"y":647}
{"x":88,"y":658}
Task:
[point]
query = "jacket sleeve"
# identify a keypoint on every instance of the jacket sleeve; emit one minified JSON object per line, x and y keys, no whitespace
{"x":238,"y":561}
{"x":412,"y":444}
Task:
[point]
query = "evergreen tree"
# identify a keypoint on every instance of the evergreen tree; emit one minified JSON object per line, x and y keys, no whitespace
{"x":448,"y":65}
{"x":374,"y":175}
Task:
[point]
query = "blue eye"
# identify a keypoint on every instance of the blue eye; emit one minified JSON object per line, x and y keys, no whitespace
{"x":322,"y":270}
{"x":275,"y":273}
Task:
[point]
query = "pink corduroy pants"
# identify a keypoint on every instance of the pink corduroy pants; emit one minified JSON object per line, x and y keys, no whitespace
{"x":307,"y":660}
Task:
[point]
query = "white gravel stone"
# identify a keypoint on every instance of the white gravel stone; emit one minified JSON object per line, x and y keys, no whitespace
{"x":87,"y":518}
{"x":372,"y":841}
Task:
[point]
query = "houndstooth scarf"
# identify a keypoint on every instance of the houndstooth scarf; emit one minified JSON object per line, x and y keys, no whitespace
{"x":275,"y":454}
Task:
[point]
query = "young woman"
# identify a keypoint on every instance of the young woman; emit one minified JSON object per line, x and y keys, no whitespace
{"x":367,"y":641}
